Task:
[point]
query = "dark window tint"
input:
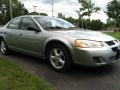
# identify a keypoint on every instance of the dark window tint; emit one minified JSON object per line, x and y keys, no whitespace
{"x":26,"y":23}
{"x":14,"y":24}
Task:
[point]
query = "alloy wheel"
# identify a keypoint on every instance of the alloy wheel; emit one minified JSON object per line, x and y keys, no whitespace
{"x":57,"y":58}
{"x":3,"y":47}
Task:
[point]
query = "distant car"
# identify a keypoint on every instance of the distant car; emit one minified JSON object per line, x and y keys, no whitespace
{"x":117,"y":30}
{"x":59,"y":42}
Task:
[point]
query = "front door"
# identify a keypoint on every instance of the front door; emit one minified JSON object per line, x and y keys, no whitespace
{"x":31,"y":40}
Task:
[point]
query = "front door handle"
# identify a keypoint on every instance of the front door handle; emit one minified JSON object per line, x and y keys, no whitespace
{"x":20,"y":34}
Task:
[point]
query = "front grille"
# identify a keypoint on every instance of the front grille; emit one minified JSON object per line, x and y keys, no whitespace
{"x":115,"y":49}
{"x":110,"y":43}
{"x":96,"y":60}
{"x":114,"y":58}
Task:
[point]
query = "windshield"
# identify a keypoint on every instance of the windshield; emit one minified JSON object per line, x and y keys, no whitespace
{"x":54,"y":23}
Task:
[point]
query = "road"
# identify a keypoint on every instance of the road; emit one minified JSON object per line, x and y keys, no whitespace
{"x":79,"y":78}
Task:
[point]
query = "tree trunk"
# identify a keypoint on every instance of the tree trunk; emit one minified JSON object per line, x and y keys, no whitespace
{"x":82,"y":23}
{"x":115,"y":25}
{"x":89,"y":22}
{"x":86,"y":24}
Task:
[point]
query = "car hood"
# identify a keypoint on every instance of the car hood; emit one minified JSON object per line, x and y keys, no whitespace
{"x":90,"y":35}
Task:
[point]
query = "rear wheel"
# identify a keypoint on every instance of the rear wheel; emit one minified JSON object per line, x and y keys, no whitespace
{"x":59,"y":57}
{"x":3,"y":47}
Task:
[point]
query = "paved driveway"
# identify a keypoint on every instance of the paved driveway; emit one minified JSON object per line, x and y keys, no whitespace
{"x":79,"y":78}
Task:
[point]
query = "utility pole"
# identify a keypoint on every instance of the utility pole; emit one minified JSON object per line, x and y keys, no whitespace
{"x":89,"y":25}
{"x":52,"y":7}
{"x":11,"y":15}
{"x":115,"y":13}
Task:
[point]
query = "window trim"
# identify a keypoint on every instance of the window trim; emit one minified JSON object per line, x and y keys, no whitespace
{"x":33,"y":22}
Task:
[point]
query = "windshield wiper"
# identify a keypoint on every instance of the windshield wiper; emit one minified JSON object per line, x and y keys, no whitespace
{"x":71,"y":28}
{"x":57,"y":27}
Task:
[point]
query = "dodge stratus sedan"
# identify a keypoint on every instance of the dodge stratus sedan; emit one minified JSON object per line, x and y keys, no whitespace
{"x":58,"y":41}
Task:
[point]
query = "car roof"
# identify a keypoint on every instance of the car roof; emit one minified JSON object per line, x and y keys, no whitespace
{"x":35,"y":16}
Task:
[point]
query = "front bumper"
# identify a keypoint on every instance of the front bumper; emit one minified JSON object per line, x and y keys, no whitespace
{"x":96,"y":56}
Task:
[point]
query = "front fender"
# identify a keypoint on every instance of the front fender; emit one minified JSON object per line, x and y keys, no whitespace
{"x":2,"y":36}
{"x":58,"y":39}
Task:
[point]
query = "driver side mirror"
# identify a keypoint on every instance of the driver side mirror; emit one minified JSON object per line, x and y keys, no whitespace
{"x":31,"y":28}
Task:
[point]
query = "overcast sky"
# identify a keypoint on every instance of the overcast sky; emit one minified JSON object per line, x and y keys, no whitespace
{"x":67,"y":7}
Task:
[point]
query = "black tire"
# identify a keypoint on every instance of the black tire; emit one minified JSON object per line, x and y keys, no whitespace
{"x":3,"y":47}
{"x":67,"y":58}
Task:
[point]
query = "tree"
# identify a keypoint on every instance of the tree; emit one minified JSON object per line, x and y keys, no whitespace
{"x":36,"y":13}
{"x":87,"y":8}
{"x":80,"y":15}
{"x":43,"y":14}
{"x":113,"y":11}
{"x":17,"y":10}
{"x":60,"y":15}
{"x":96,"y":25}
{"x":76,"y":22}
{"x":110,"y":22}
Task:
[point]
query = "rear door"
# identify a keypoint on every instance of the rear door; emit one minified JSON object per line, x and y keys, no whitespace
{"x":12,"y":33}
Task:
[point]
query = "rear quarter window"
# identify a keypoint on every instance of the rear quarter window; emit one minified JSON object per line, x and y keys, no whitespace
{"x":14,"y":24}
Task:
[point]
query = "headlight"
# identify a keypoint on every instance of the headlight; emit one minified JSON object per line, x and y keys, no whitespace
{"x":88,"y":44}
{"x":118,"y":41}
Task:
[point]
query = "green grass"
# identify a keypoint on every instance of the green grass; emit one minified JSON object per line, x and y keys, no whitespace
{"x":114,"y":34}
{"x":13,"y":78}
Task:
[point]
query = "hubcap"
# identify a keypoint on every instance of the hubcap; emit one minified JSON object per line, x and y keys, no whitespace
{"x":57,"y":58}
{"x":3,"y":47}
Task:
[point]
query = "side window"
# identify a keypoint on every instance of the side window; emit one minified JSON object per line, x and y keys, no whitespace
{"x":26,"y":23}
{"x":14,"y":24}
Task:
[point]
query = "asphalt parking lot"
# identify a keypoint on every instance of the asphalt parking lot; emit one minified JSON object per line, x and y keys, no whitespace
{"x":79,"y":78}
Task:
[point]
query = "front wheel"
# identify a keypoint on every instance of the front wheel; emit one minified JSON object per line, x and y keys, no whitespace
{"x":59,"y":57}
{"x":3,"y":47}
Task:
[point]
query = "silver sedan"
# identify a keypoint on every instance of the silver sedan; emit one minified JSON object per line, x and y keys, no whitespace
{"x":58,"y":41}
